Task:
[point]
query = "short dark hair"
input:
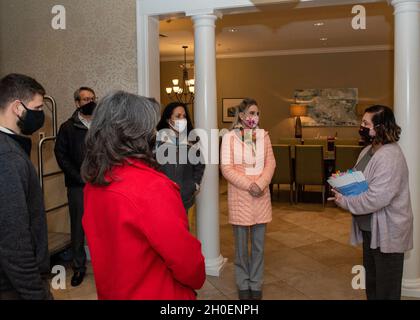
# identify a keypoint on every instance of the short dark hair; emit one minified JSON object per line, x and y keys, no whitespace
{"x":77,"y":92}
{"x":123,"y":127}
{"x":18,"y":87}
{"x":167,"y":114}
{"x":386,"y":128}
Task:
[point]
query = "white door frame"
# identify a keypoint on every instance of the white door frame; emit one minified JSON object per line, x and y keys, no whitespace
{"x":149,"y":12}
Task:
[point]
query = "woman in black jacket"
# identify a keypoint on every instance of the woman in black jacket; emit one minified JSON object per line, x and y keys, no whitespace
{"x":173,"y":150}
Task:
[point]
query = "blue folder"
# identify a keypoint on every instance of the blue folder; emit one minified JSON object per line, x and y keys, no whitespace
{"x":353,"y":189}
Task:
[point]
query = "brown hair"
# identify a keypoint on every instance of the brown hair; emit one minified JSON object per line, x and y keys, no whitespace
{"x":386,"y":128}
{"x":77,"y":92}
{"x":18,"y":87}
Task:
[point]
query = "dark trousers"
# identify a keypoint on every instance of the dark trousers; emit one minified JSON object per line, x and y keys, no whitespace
{"x":384,"y":272}
{"x":75,"y":197}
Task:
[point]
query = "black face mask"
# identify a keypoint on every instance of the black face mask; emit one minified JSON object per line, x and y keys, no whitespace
{"x":31,"y":121}
{"x":364,"y":133}
{"x":88,"y":108}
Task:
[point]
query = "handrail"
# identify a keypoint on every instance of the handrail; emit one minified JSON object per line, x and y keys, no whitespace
{"x":56,"y":208}
{"x":41,"y":171}
{"x":41,"y":174}
{"x":54,"y":113}
{"x":52,"y":174}
{"x":41,"y":160}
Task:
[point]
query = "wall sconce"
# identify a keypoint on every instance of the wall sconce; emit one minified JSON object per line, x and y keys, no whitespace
{"x":298,"y":110}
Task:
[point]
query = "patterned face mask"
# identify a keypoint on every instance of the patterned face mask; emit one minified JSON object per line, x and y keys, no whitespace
{"x":252,"y":121}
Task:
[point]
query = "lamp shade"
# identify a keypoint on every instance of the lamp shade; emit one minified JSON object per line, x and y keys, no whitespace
{"x":297,"y":110}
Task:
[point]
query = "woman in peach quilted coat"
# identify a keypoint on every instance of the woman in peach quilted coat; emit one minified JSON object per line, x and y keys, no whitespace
{"x":248,"y":165}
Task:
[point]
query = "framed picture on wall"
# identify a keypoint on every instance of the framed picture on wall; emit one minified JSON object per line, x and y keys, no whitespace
{"x":329,"y":107}
{"x":229,"y":108}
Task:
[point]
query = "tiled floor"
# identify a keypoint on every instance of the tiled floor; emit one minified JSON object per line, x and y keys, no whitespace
{"x":307,"y":256}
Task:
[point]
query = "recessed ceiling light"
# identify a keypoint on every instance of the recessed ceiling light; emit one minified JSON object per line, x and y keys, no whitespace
{"x":319,"y":24}
{"x":323,"y":39}
{"x":233,"y":30}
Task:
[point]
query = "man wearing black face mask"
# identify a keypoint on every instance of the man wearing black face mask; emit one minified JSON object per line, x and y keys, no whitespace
{"x":24,"y":256}
{"x":70,"y":152}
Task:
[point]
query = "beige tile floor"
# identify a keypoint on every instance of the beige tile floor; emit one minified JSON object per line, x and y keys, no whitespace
{"x":307,"y":256}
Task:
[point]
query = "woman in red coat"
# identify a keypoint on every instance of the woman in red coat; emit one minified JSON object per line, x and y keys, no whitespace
{"x":134,"y":219}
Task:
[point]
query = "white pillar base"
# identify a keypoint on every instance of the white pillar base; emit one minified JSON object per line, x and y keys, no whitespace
{"x":411,"y":288}
{"x":214,"y":267}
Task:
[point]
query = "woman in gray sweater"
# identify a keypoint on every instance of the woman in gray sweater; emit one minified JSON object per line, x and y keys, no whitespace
{"x":382,"y":216}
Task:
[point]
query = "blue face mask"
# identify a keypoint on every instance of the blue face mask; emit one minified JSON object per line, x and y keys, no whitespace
{"x":31,"y":121}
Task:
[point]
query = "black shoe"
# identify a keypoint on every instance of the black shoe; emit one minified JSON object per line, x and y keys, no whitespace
{"x":256,"y":295}
{"x":244,"y":294}
{"x":77,"y":278}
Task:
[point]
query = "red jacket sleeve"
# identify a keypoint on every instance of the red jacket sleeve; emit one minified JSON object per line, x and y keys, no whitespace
{"x":165,"y":225}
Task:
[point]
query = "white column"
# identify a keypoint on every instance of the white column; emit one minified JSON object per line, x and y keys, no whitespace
{"x":148,"y":56}
{"x":205,"y":116}
{"x":407,"y":113}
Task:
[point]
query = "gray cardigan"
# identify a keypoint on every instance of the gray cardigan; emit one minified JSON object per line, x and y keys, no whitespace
{"x":388,"y":198}
{"x":24,"y":256}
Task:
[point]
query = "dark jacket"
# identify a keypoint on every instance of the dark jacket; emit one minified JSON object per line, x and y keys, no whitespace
{"x":186,"y":175}
{"x":70,"y":149}
{"x":24,"y":256}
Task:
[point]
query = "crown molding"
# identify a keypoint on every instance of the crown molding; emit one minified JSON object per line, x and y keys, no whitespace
{"x":289,"y":52}
{"x":165,"y":7}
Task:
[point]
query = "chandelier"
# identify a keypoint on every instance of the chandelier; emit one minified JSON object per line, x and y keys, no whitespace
{"x":182,"y":90}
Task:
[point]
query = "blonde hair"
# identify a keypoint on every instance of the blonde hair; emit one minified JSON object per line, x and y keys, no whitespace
{"x":242,"y":108}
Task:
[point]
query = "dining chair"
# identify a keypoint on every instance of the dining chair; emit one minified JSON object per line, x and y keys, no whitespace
{"x":318,"y":142}
{"x":292,"y":142}
{"x":346,"y":142}
{"x":346,"y":156}
{"x":309,"y":168}
{"x":283,"y":173}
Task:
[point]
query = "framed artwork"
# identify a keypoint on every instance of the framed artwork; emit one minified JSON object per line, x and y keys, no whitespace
{"x":329,"y":107}
{"x":229,"y":108}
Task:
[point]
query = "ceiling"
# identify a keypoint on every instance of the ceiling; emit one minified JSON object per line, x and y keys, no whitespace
{"x":282,"y":28}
